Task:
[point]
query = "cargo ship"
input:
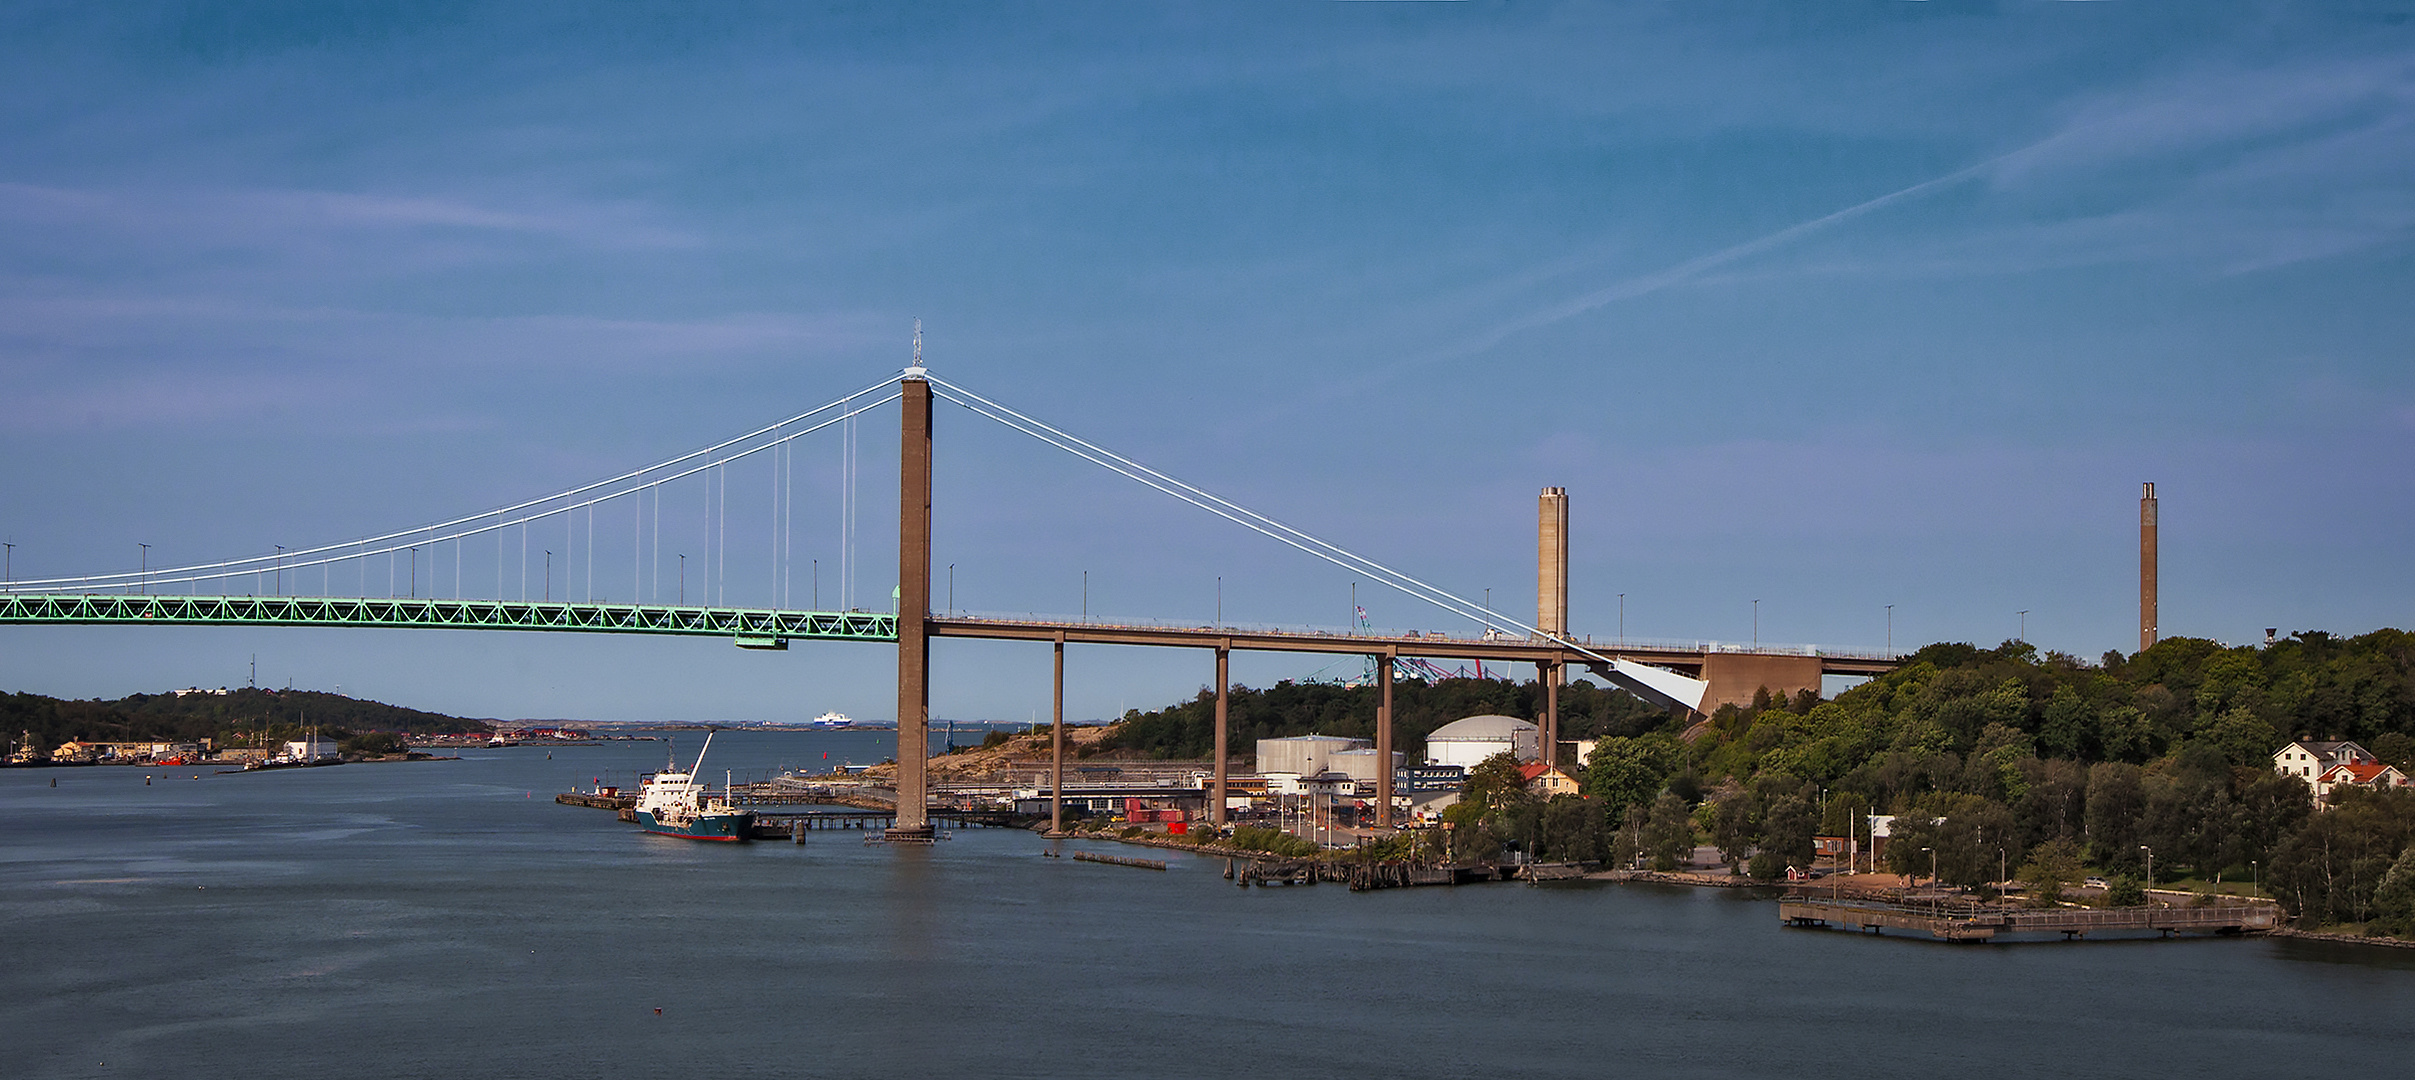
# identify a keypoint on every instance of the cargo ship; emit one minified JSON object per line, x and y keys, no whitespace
{"x":674,"y":803}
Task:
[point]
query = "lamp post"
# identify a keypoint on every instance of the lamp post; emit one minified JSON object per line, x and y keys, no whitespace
{"x":146,"y":578}
{"x":2150,"y":864}
{"x":2024,"y":613}
{"x":683,"y":584}
{"x":1932,"y":864}
{"x":549,"y":578}
{"x":414,"y":576}
{"x":951,"y":590}
{"x":2255,"y":881}
{"x":1622,"y":619}
{"x":281,"y":568}
{"x":1890,"y":629}
{"x":1756,"y":625}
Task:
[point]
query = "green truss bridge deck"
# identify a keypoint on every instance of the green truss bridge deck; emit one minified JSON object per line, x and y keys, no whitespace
{"x":754,"y":628}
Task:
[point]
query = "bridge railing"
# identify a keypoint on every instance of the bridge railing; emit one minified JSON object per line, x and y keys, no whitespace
{"x":763,"y":624}
{"x":1392,"y":634}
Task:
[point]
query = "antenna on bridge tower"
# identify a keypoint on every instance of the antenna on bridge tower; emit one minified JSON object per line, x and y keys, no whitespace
{"x":916,"y":371}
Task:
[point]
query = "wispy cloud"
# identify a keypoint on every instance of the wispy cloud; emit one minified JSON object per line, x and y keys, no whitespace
{"x":2337,"y":139}
{"x":270,"y":217}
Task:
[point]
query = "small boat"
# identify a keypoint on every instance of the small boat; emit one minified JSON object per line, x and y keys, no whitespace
{"x":830,"y":721}
{"x":673,"y":803}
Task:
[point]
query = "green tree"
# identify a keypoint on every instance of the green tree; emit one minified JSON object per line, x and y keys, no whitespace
{"x":1668,"y":833}
{"x":2244,"y":738}
{"x":2050,"y":868}
{"x":1971,"y":837}
{"x":1734,"y":822}
{"x":1495,"y":782}
{"x":375,"y":742}
{"x":2125,"y":891}
{"x":2394,"y":898}
{"x":1786,"y":837}
{"x":2329,"y":870}
{"x":1571,"y":828}
{"x":1624,"y":772}
{"x":2116,"y":803}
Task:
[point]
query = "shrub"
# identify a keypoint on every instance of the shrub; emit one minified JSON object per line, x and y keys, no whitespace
{"x":2125,"y":891}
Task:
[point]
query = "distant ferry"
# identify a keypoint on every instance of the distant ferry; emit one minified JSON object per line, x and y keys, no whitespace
{"x":830,"y":721}
{"x":673,"y":803}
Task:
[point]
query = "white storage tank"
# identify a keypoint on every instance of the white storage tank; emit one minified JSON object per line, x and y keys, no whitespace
{"x":1303,"y":755}
{"x":1359,"y":765}
{"x":1467,"y":742}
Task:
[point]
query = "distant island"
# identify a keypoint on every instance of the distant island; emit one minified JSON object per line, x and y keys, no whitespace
{"x":223,"y":718}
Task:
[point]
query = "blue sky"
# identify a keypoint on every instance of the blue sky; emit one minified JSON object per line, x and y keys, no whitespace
{"x":1834,"y":309}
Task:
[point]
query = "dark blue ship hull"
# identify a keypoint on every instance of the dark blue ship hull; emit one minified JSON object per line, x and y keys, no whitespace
{"x":725,"y":827}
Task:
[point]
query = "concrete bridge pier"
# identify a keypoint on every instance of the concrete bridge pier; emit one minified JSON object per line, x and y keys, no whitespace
{"x":1383,"y":738}
{"x":1736,"y":677}
{"x":1224,"y":683}
{"x":913,"y":824}
{"x":1056,"y":760}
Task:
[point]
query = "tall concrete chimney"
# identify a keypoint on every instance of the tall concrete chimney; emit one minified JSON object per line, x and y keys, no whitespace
{"x":2146,"y":569}
{"x":1551,"y":562}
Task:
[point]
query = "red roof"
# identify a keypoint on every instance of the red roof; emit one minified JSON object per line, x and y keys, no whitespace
{"x":2358,"y":773}
{"x":1532,"y":769}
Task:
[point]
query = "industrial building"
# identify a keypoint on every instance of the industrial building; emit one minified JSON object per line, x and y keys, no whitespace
{"x":1359,"y":765}
{"x":1465,"y":743}
{"x":1304,"y":755}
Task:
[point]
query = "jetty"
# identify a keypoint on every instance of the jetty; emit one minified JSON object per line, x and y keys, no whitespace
{"x":1971,"y":921}
{"x":1119,"y":860}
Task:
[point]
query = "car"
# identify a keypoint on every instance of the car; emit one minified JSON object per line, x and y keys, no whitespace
{"x":2095,"y":883}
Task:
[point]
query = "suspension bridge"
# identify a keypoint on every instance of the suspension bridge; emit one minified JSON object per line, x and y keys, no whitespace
{"x":252,"y":591}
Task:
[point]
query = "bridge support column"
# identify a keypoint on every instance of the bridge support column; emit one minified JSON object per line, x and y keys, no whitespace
{"x":1383,"y":740}
{"x":1553,"y":672}
{"x":1056,"y":761}
{"x":1224,"y":681}
{"x":1736,"y":678}
{"x":913,"y":606}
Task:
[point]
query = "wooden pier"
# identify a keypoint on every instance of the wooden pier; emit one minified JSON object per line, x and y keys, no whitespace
{"x":1970,"y":921}
{"x":1119,"y":860}
{"x":1367,"y":876}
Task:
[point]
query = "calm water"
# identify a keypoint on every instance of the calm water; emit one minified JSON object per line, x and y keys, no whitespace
{"x":447,"y":919}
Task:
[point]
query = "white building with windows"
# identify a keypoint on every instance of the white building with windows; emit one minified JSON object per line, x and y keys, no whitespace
{"x":2308,"y":760}
{"x":310,"y":749}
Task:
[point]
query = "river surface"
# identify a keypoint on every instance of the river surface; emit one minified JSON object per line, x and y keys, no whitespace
{"x":447,"y":919}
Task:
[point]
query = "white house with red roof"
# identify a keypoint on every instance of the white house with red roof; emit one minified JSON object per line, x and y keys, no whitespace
{"x":2365,"y":774}
{"x":2309,"y":759}
{"x":1547,"y":780}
